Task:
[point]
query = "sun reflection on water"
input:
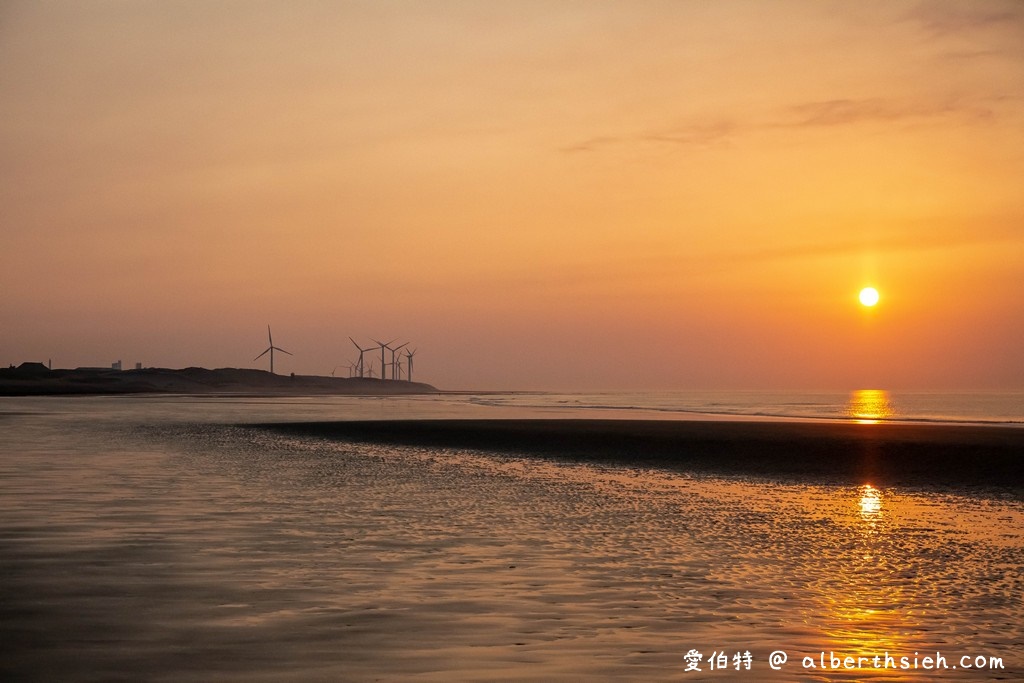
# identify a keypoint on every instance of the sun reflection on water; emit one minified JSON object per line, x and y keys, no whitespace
{"x":870,"y":503}
{"x":863,"y":604}
{"x":870,"y":405}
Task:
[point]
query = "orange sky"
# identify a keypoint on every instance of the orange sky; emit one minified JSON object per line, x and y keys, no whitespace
{"x":538,"y":195}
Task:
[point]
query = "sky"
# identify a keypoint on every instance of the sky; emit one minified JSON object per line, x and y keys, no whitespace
{"x":549,"y":195}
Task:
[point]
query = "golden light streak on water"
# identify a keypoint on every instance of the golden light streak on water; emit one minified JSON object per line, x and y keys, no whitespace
{"x":869,"y":406}
{"x":870,"y":504}
{"x":863,"y":614}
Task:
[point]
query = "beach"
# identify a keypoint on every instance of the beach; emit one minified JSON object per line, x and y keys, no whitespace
{"x":825,"y":451}
{"x":172,"y":540}
{"x":480,"y":342}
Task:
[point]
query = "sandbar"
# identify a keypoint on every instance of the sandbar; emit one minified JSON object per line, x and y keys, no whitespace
{"x":845,"y":452}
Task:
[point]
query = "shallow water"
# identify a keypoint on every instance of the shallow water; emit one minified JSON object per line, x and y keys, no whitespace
{"x":148,"y":539}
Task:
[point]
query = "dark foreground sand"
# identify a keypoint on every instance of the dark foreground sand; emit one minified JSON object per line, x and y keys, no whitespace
{"x":879,"y":453}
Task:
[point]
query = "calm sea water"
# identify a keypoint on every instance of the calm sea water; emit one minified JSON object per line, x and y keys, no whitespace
{"x":874,"y":404}
{"x":153,"y":538}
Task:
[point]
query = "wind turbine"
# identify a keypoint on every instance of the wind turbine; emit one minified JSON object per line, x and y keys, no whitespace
{"x":408,"y":361}
{"x":395,"y":367}
{"x":383,"y":366}
{"x":361,"y":352}
{"x":270,"y":350}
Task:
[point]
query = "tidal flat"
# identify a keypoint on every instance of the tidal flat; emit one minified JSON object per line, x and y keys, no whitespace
{"x":157,"y":546}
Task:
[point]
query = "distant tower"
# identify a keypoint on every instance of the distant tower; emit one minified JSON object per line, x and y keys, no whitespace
{"x":115,"y":366}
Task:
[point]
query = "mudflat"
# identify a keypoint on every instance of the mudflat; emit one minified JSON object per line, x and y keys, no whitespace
{"x":879,"y":453}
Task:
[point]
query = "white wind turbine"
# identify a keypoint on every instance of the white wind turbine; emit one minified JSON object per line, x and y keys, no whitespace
{"x":270,"y":350}
{"x":408,"y":361}
{"x":361,"y":352}
{"x":383,"y":364}
{"x":396,"y":365}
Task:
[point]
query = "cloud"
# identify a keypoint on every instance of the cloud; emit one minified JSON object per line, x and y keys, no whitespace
{"x":697,"y":133}
{"x":591,"y":144}
{"x":851,"y":111}
{"x":820,"y":113}
{"x":943,"y":18}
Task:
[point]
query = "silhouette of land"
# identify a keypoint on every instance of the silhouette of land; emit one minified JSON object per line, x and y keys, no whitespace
{"x":34,"y":379}
{"x":944,"y":455}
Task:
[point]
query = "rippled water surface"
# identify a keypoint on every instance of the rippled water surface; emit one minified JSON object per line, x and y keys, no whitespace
{"x":150,"y":539}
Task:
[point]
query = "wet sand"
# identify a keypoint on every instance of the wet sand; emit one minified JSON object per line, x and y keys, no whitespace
{"x":879,"y":453}
{"x":170,"y":550}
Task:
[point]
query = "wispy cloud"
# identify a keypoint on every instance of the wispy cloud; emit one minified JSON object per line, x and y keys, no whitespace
{"x":821,"y":113}
{"x":591,"y":144}
{"x":851,"y":111}
{"x":843,"y":111}
{"x":693,"y":133}
{"x":942,"y":18}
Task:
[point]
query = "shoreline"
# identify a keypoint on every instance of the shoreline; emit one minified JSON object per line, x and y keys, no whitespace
{"x":15,"y":382}
{"x":951,"y":455}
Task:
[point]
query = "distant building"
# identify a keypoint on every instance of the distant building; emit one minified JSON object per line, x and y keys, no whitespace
{"x":32,"y":368}
{"x":138,"y":366}
{"x":115,"y":365}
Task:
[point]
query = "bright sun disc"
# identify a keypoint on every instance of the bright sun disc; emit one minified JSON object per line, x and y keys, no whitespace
{"x":869,"y":296}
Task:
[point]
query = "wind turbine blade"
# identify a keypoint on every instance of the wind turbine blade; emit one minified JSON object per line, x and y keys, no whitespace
{"x":283,"y":351}
{"x":354,"y":343}
{"x":271,"y":338}
{"x":262,"y":354}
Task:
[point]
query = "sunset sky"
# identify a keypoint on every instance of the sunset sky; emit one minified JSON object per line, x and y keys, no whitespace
{"x":537,"y":195}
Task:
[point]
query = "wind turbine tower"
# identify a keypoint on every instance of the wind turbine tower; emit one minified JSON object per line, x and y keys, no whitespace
{"x":396,"y":364}
{"x":408,"y":361}
{"x":270,"y":350}
{"x":361,"y":352}
{"x":383,"y":366}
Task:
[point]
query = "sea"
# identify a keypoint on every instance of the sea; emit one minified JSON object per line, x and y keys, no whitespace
{"x":170,"y":538}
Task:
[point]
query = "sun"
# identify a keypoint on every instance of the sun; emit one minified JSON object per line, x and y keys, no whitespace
{"x":869,"y":296}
